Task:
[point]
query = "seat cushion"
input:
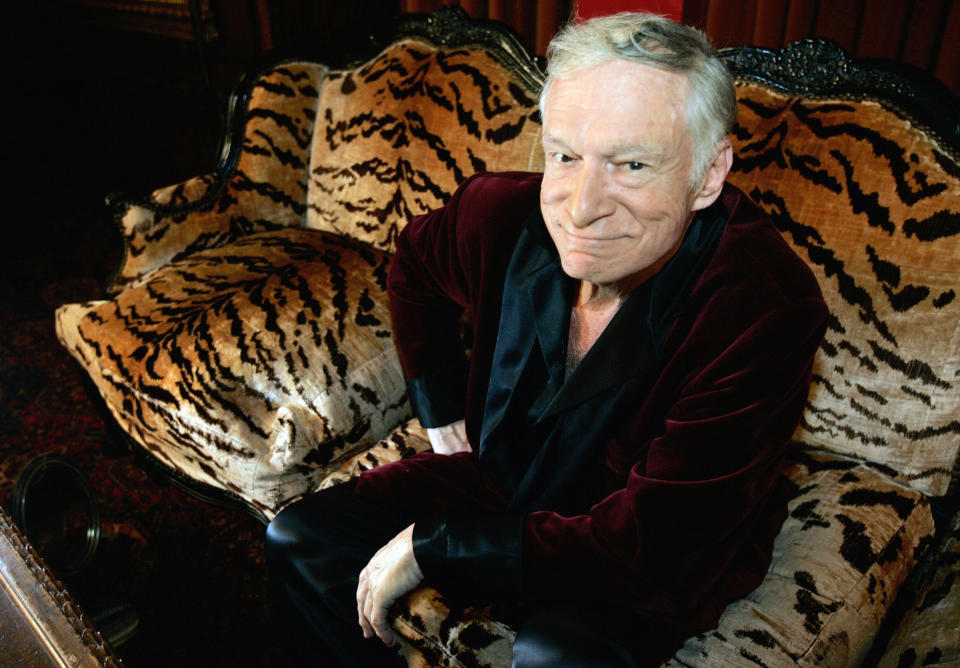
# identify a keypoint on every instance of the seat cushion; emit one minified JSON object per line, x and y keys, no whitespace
{"x":256,"y":367}
{"x":851,"y":537}
{"x":929,"y":634}
{"x":406,"y":440}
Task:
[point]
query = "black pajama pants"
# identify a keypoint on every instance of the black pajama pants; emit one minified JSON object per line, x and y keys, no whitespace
{"x":316,"y":548}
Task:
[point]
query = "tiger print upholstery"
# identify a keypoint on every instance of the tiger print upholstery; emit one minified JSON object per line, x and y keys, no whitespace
{"x":873,"y":205}
{"x":250,"y":366}
{"x":246,"y":343}
{"x":930,"y":632}
{"x":260,"y":184}
{"x":851,"y":538}
{"x":385,"y":152}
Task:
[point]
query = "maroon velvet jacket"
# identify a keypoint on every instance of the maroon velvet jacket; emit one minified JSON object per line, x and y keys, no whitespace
{"x":691,"y":497}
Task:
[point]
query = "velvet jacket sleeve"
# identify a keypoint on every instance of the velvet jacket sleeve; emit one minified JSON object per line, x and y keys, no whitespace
{"x":448,"y":261}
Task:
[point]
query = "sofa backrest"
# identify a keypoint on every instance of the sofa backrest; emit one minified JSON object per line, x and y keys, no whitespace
{"x":396,"y":135}
{"x":871,"y":200}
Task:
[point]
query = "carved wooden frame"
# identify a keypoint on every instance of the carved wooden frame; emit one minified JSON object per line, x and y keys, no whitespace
{"x":45,"y":617}
{"x":819,"y":68}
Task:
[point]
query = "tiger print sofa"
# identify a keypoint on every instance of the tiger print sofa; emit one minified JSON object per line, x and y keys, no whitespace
{"x":245,"y":341}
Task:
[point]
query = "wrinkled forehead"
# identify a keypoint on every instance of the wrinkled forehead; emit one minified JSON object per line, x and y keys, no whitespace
{"x":624,"y":78}
{"x":620,"y":98}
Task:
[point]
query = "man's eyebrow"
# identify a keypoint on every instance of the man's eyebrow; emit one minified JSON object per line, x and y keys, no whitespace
{"x":553,"y":139}
{"x":641,"y":150}
{"x":635,"y":149}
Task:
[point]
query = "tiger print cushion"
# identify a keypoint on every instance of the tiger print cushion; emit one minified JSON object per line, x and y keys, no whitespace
{"x":873,"y":205}
{"x":851,"y":537}
{"x":930,"y":632}
{"x":251,"y":367}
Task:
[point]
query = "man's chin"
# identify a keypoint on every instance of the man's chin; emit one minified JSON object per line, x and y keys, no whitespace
{"x":576,"y":270}
{"x":586,"y":274}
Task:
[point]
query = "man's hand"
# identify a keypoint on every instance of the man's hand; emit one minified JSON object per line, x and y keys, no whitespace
{"x":449,"y":439}
{"x":391,"y":573}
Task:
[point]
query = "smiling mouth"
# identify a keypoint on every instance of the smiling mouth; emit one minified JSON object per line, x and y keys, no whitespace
{"x":591,"y":240}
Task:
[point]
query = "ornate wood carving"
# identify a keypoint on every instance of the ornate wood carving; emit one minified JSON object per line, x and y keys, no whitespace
{"x":818,"y":68}
{"x":40,"y":612}
{"x":451,"y":26}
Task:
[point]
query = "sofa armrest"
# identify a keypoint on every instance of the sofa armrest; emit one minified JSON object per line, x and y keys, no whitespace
{"x":146,"y":246}
{"x":259,"y":184}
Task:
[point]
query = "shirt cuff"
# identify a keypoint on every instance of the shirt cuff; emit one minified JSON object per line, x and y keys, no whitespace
{"x":439,"y":398}
{"x":473,"y":556}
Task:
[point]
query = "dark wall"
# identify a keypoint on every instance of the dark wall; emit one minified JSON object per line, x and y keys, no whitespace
{"x":94,"y":106}
{"x":98,"y":107}
{"x":923,"y":33}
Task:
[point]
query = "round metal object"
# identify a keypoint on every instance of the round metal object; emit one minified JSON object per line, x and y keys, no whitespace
{"x":57,"y":509}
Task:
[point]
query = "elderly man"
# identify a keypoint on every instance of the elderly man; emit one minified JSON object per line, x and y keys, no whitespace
{"x":609,"y":456}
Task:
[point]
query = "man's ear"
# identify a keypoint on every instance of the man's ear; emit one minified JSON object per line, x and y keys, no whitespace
{"x":714,"y":176}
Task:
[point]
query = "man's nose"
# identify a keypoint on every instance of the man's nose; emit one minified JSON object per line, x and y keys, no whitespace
{"x":588,"y":199}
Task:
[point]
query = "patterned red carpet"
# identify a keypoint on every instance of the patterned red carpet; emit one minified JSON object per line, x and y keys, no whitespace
{"x":193,"y":573}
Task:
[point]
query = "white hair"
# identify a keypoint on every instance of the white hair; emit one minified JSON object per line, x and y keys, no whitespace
{"x":649,"y":39}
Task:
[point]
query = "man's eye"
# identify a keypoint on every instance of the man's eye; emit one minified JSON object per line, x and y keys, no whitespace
{"x":634,"y":166}
{"x":562,"y":158}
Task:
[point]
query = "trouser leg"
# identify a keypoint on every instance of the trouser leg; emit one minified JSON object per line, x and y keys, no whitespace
{"x":315,"y":551}
{"x":573,"y":635}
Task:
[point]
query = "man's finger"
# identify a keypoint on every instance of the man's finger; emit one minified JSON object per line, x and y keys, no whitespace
{"x":362,"y":596}
{"x":375,"y":611}
{"x":378,"y":619}
{"x":368,"y":608}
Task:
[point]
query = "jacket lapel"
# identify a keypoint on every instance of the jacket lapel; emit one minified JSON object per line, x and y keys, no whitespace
{"x":533,"y":306}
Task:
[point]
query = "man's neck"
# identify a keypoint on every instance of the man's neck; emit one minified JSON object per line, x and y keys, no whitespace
{"x":592,"y":311}
{"x":594,"y":297}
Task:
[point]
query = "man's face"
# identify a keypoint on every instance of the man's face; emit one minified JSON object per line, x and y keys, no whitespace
{"x":616,"y":195}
